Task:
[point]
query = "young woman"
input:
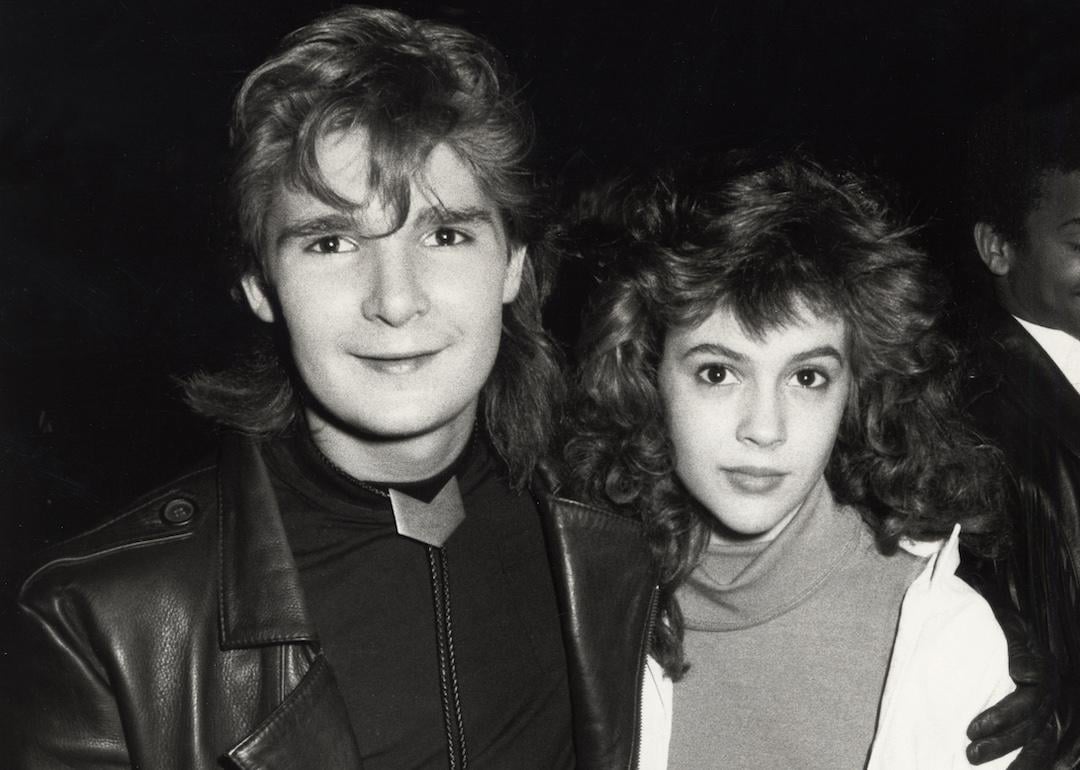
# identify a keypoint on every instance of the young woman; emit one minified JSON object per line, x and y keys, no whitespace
{"x":764,"y":385}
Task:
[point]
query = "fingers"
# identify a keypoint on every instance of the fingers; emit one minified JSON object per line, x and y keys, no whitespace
{"x":1038,"y":753}
{"x":1039,"y":740}
{"x":1022,"y":708}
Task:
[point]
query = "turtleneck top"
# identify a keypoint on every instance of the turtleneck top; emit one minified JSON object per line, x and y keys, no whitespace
{"x":788,"y":643}
{"x":369,"y":592}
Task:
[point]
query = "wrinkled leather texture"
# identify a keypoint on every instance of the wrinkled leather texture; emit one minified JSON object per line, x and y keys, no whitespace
{"x":608,"y":616}
{"x":1023,"y":403}
{"x":175,"y":636}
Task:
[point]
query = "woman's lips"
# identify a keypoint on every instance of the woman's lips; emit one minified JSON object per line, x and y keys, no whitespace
{"x":754,"y":480}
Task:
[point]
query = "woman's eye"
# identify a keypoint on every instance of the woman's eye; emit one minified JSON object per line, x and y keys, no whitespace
{"x":332,"y":244}
{"x":810,"y":378}
{"x":447,"y":236}
{"x":714,"y":375}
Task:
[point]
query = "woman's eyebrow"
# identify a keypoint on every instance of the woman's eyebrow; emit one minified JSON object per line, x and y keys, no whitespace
{"x":714,"y":349}
{"x":821,"y":351}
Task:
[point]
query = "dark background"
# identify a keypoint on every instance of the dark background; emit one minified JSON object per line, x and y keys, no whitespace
{"x":113,"y":156}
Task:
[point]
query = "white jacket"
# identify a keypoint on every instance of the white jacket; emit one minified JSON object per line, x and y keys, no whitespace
{"x":949,"y":662}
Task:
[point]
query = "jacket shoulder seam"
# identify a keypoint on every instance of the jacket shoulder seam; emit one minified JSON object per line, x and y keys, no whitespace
{"x":76,"y":548}
{"x":142,"y":503}
{"x":76,"y":558}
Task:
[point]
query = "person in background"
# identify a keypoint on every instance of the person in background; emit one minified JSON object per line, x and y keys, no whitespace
{"x":1024,"y":186}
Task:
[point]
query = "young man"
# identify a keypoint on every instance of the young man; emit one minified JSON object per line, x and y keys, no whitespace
{"x":359,"y":578}
{"x":1026,"y":189}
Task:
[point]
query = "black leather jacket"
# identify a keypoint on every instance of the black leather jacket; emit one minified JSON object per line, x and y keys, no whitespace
{"x":1022,"y":401}
{"x":175,"y":636}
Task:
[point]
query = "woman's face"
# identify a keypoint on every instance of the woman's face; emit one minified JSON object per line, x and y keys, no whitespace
{"x":753,"y":421}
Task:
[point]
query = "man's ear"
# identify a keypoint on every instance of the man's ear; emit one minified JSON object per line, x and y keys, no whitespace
{"x":258,"y":296}
{"x":996,"y":252}
{"x":512,"y":281}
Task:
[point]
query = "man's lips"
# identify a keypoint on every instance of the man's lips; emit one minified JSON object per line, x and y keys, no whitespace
{"x":752,"y":479}
{"x":397,"y":363}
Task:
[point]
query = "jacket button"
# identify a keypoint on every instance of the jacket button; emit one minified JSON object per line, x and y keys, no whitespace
{"x":178,"y":511}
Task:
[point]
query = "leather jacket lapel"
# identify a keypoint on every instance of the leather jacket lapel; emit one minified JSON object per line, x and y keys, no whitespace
{"x":260,"y":600}
{"x":606,"y":585}
{"x":310,"y":729}
{"x":260,"y":603}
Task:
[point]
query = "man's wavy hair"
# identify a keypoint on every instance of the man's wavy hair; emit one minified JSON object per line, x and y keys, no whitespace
{"x":411,"y":85}
{"x":759,"y":235}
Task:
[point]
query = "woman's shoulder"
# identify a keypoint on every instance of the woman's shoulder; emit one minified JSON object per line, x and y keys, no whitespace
{"x":949,"y":662}
{"x":889,"y":572}
{"x":944,"y":618}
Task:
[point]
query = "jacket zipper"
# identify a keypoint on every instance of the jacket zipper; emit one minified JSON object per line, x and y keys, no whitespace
{"x":453,"y":721}
{"x":643,"y":663}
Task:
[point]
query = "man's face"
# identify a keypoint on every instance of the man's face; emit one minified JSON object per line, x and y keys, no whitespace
{"x":394,"y":336}
{"x":753,"y":421}
{"x":1042,"y":284}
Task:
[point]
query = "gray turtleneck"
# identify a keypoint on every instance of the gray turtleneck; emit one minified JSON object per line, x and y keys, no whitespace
{"x":788,"y":643}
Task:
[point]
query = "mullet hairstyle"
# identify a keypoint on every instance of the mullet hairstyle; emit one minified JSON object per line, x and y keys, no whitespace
{"x":410,"y":85}
{"x":758,"y":236}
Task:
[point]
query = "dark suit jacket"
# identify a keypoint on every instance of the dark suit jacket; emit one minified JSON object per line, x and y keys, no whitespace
{"x":1022,"y":401}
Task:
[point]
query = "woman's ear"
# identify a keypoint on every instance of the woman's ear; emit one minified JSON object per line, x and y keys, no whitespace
{"x":258,"y":296}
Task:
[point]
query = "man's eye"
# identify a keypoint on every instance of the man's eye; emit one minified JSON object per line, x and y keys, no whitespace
{"x":714,"y":374}
{"x":810,"y":378}
{"x":332,"y":244}
{"x":447,"y":236}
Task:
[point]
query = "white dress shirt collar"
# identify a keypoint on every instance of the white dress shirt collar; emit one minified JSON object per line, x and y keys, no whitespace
{"x":1062,"y":347}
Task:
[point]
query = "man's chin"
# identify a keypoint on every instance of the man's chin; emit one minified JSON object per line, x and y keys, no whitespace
{"x":388,"y":424}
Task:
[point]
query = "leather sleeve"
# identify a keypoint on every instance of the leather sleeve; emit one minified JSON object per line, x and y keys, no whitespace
{"x":1040,"y":576}
{"x":1037,"y":582}
{"x":63,"y":712}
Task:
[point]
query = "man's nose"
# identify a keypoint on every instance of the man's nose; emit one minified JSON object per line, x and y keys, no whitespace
{"x":395,"y":293}
{"x":762,"y":422}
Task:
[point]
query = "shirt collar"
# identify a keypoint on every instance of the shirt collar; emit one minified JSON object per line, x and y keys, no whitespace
{"x":1062,"y":347}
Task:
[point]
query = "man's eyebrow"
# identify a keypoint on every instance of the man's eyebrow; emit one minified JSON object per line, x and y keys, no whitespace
{"x":320,"y":225}
{"x":1071,"y":222}
{"x":449,"y":215}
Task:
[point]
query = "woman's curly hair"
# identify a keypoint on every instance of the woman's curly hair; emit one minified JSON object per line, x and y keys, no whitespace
{"x":760,"y":235}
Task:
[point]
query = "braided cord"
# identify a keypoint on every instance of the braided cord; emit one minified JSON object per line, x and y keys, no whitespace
{"x":448,"y":682}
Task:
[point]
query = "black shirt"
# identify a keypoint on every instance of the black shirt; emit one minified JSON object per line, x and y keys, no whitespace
{"x":369,"y":592}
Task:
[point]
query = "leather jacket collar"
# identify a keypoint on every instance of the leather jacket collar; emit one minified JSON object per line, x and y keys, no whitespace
{"x":260,"y":601}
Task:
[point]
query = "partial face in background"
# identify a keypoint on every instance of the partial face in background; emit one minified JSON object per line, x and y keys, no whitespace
{"x":1041,"y":279}
{"x":395,"y":335}
{"x":753,"y":421}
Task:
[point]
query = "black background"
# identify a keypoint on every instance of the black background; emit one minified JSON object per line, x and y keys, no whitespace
{"x":113,"y":156}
